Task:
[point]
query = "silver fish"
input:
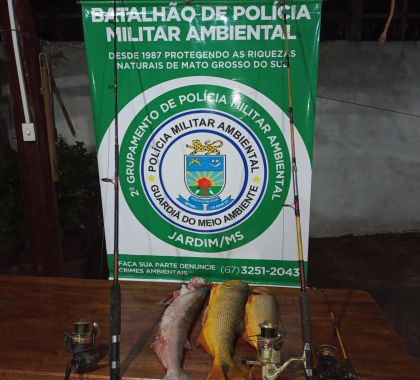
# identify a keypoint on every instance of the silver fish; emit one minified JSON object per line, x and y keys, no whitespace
{"x":171,"y":337}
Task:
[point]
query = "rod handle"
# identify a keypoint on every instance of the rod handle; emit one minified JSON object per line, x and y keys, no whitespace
{"x":306,"y":335}
{"x":115,"y":332}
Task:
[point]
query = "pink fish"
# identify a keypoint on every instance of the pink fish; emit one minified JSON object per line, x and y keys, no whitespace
{"x":177,"y":321}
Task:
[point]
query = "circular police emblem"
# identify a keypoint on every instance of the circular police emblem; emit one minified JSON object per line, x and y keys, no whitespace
{"x":204,"y":168}
{"x":203,"y":171}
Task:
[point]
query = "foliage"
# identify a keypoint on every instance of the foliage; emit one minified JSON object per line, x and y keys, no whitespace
{"x":79,"y":193}
{"x":79,"y":202}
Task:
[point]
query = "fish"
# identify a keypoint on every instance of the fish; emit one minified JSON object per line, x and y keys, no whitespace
{"x":172,"y":333}
{"x":261,"y":307}
{"x":223,"y":319}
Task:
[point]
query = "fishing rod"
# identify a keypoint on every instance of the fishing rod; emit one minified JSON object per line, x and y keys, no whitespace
{"x":270,"y":341}
{"x":81,"y":343}
{"x":327,"y":355}
{"x":306,"y":324}
{"x":115,"y":307}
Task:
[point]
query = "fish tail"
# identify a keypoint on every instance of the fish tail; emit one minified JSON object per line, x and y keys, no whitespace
{"x":246,"y":338}
{"x":225,"y":371}
{"x":252,"y":340}
{"x":177,"y":375}
{"x":218,"y":371}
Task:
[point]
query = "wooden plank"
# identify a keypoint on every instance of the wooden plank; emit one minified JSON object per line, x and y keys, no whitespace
{"x":35,"y":311}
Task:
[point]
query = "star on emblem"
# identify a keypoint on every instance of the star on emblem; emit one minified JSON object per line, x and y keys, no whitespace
{"x":256,"y":179}
{"x":151,"y":178}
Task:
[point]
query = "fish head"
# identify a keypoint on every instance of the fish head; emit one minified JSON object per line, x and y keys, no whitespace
{"x":261,"y":290}
{"x":197,"y":282}
{"x":236,"y":284}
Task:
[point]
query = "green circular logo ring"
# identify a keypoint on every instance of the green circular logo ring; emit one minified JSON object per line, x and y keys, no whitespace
{"x":204,"y":168}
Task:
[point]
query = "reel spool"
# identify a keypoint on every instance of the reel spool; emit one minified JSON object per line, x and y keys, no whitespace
{"x":81,"y":344}
{"x":269,"y":344}
{"x":328,"y":366}
{"x":82,"y":338}
{"x":327,"y":362}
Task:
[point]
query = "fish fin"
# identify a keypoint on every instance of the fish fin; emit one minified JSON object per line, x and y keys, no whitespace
{"x":157,"y":340}
{"x":157,"y":346}
{"x":244,"y":333}
{"x":218,"y":371}
{"x":205,"y":314}
{"x":201,"y":341}
{"x":184,"y":289}
{"x":245,"y":336}
{"x":187,"y":344}
{"x":165,"y":301}
{"x":169,"y":298}
{"x":241,"y":327}
{"x":225,"y":371}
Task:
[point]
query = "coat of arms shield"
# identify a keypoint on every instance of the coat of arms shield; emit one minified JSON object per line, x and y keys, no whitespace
{"x":204,"y":175}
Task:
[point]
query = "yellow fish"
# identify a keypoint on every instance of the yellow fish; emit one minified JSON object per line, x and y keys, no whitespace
{"x":222,"y":320}
{"x":261,"y":306}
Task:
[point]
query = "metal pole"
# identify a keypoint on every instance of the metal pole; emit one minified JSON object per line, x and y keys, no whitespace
{"x":19,"y":70}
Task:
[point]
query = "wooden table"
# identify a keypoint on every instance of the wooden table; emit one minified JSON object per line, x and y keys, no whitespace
{"x":35,"y":311}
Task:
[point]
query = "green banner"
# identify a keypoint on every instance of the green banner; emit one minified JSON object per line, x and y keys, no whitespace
{"x":203,"y":125}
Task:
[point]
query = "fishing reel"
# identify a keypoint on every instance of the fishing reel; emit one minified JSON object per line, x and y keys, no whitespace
{"x":269,"y":344}
{"x":328,"y":367}
{"x":81,"y":344}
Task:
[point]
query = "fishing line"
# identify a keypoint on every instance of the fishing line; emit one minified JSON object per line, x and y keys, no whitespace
{"x":369,"y":106}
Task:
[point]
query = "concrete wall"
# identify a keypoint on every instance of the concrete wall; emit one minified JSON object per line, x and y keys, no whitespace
{"x":70,"y":73}
{"x":366,"y":176}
